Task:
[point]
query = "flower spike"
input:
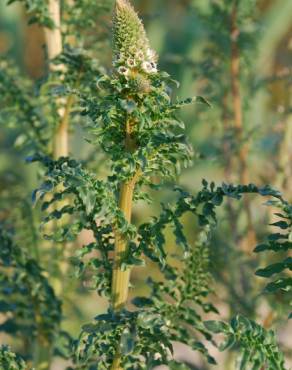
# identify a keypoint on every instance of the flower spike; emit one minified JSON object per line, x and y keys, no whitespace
{"x":131,"y":46}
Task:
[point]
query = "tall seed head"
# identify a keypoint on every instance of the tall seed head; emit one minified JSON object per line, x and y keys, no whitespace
{"x":131,"y":47}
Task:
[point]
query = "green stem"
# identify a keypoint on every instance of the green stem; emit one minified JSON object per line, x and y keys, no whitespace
{"x":42,"y":355}
{"x":42,"y":351}
{"x":121,"y":278}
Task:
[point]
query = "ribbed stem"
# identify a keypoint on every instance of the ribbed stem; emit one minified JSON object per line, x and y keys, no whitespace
{"x":116,"y":364}
{"x":121,"y":278}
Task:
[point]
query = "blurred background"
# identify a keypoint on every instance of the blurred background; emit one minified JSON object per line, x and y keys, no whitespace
{"x":246,"y":136}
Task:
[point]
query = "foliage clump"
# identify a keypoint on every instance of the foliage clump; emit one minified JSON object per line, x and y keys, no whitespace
{"x":258,"y":346}
{"x":10,"y":361}
{"x":27,"y":297}
{"x":279,"y":243}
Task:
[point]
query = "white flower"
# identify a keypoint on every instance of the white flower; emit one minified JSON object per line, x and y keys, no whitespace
{"x":123,"y":70}
{"x":157,"y":356}
{"x":149,"y":67}
{"x":146,"y":67}
{"x":154,"y":67}
{"x":131,"y":62}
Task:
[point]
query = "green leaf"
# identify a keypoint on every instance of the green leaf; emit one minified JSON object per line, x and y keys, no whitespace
{"x":227,"y":343}
{"x":202,"y":100}
{"x":217,"y":326}
{"x":281,"y":224}
{"x":142,"y":302}
{"x":275,"y":268}
{"x":244,"y":359}
{"x":283,"y":284}
{"x":127,"y":342}
{"x":273,"y":246}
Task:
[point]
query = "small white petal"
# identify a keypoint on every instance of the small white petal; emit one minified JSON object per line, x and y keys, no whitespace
{"x":123,"y":70}
{"x":131,"y":62}
{"x":149,"y":67}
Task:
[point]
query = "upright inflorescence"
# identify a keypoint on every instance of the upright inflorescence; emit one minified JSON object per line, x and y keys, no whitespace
{"x":131,"y":47}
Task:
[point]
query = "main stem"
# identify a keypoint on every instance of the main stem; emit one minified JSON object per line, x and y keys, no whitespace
{"x":121,"y":278}
{"x":238,"y":122}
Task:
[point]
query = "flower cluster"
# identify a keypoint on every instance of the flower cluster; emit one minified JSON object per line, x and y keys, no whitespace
{"x":132,"y":51}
